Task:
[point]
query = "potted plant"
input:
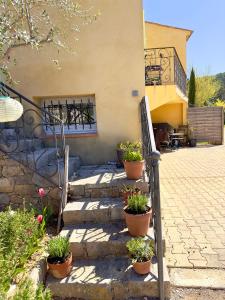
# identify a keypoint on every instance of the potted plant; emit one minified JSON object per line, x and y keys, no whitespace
{"x":138,"y":215}
{"x":133,"y":164}
{"x":60,"y":258}
{"x":141,"y":253}
{"x":122,"y":147}
{"x":129,"y":190}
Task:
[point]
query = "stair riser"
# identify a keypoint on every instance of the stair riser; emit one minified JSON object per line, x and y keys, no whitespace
{"x":102,"y":190}
{"x":96,"y":216}
{"x":113,"y":291}
{"x":97,"y":250}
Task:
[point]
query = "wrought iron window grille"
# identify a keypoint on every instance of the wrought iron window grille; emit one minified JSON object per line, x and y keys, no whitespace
{"x":77,"y":113}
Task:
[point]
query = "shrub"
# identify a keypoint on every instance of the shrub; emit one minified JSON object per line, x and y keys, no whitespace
{"x":140,"y":250}
{"x":137,"y":204}
{"x":20,"y":235}
{"x":132,"y":146}
{"x":132,"y":156}
{"x":58,"y":247}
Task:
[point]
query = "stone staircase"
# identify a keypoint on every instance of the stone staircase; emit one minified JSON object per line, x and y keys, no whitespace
{"x":94,"y":222}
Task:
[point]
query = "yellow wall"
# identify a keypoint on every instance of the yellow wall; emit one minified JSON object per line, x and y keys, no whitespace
{"x":157,"y":36}
{"x":168,"y":113}
{"x":109,"y":63}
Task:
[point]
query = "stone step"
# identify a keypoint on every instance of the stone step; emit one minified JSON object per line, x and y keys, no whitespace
{"x":96,"y":210}
{"x":37,"y":159}
{"x":51,"y":170}
{"x":98,"y":240}
{"x":107,"y":279}
{"x":102,"y":181}
{"x":22,"y":144}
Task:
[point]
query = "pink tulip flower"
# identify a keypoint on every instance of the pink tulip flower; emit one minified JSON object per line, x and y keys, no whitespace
{"x":41,"y":192}
{"x":40,"y":218}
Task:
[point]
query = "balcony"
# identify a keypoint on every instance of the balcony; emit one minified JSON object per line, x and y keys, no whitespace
{"x":163,"y":67}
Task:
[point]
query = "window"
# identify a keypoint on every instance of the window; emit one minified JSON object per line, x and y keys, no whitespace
{"x":77,"y":113}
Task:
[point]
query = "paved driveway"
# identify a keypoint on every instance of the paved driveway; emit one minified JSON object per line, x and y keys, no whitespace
{"x":193,"y":201}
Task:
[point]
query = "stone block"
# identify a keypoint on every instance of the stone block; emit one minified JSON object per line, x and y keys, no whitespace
{"x":4,"y":199}
{"x":6,"y":185}
{"x":11,"y":171}
{"x":40,"y":181}
{"x":26,"y":189}
{"x":23,"y":180}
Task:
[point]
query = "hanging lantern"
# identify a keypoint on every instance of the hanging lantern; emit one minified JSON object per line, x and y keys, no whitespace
{"x":10,"y":109}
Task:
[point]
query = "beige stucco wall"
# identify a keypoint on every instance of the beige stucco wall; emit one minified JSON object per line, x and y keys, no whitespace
{"x":157,"y":36}
{"x":109,"y":63}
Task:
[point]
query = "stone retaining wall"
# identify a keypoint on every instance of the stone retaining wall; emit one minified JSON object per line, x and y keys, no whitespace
{"x":19,"y":184}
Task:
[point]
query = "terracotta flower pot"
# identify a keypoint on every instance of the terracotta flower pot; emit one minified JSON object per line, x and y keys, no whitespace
{"x":138,"y":225}
{"x":142,"y":268}
{"x":134,"y":169}
{"x":60,"y":270}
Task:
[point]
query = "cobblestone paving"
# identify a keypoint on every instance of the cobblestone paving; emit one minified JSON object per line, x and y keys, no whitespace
{"x":193,"y":202}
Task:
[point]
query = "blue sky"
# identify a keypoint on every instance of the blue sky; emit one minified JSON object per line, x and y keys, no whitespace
{"x":206,"y":47}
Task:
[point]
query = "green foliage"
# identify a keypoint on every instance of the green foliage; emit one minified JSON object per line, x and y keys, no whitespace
{"x":140,"y":250}
{"x":20,"y":235}
{"x":26,"y":291}
{"x":137,"y":204}
{"x":192,"y":89}
{"x":132,"y":156}
{"x":219,"y":102}
{"x":221,"y":80}
{"x":130,"y":146}
{"x":207,"y":88}
{"x":58,"y":247}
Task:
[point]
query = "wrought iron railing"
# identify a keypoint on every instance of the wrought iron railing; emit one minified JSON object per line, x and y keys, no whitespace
{"x":163,"y":67}
{"x":25,"y":139}
{"x":152,"y":157}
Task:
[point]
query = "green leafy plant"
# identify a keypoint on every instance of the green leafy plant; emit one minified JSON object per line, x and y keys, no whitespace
{"x":20,"y":237}
{"x":58,"y":247}
{"x":132,"y":146}
{"x":140,"y":250}
{"x":137,"y":204}
{"x":132,"y":156}
{"x":26,"y":291}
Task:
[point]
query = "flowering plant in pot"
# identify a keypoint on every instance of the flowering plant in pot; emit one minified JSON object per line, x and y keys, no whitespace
{"x":141,"y":253}
{"x":138,"y":215}
{"x":122,"y":147}
{"x":129,"y":190}
{"x":60,"y":258}
{"x":133,"y":164}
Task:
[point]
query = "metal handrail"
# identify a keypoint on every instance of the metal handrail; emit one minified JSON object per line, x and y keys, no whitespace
{"x":152,"y":157}
{"x":65,"y":188}
{"x":30,"y":126}
{"x":2,"y":84}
